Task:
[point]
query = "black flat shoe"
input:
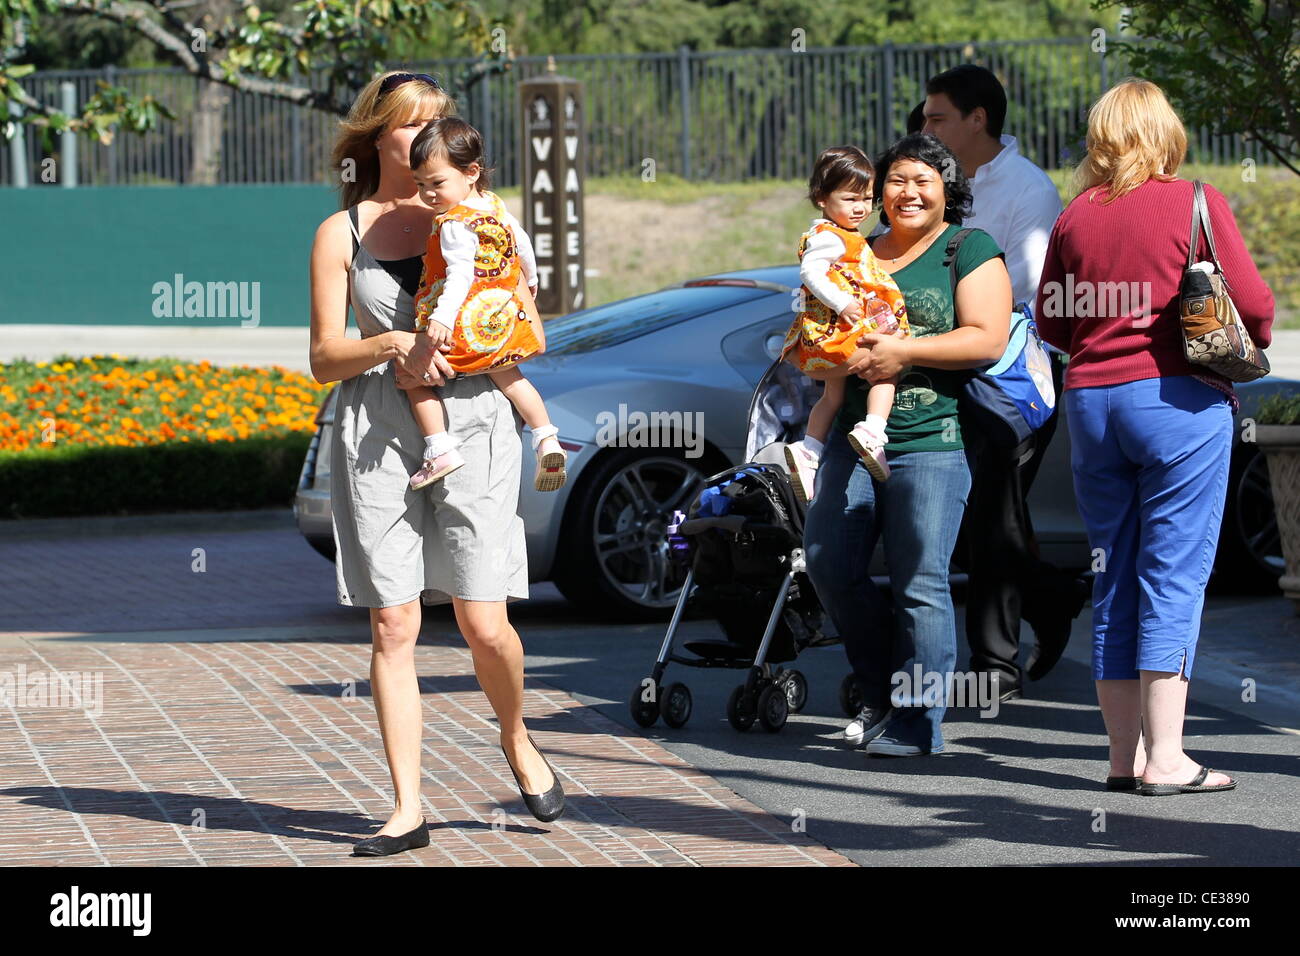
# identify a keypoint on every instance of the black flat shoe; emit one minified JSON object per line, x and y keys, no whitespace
{"x":543,"y":806}
{"x":1123,"y":784}
{"x":388,"y":845}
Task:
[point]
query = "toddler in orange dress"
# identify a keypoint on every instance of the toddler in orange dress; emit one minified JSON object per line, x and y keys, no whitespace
{"x":467,"y":297}
{"x":845,"y":294}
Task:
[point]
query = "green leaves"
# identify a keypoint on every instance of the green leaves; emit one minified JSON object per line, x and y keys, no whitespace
{"x":352,"y":38}
{"x":1231,"y":65}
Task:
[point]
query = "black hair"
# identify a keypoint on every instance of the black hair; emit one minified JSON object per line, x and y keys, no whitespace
{"x":970,"y":86}
{"x":927,"y":148}
{"x":840,"y":167}
{"x":452,"y":137}
{"x":916,"y":118}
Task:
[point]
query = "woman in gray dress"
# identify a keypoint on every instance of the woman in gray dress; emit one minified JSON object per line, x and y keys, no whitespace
{"x":459,"y":540}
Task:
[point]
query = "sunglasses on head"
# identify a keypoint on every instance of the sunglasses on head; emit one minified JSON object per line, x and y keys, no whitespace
{"x":397,"y":79}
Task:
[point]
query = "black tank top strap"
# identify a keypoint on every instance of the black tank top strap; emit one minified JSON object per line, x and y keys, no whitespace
{"x":356,"y":234}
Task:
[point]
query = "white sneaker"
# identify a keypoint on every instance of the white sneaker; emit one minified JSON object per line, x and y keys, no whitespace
{"x":868,"y":724}
{"x":884,"y":747}
{"x":803,"y":470}
{"x":870,"y":446}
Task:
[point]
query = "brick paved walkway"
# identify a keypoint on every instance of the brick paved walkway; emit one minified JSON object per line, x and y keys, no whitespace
{"x":273,"y":747}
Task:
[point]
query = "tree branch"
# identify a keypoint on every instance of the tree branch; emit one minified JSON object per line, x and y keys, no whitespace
{"x":135,"y":18}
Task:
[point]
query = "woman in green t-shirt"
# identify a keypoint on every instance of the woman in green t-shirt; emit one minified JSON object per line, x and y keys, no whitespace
{"x":901,"y":657}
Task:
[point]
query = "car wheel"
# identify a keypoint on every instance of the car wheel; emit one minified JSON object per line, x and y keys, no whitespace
{"x":324,"y":546}
{"x":1250,"y":549}
{"x":614,"y":549}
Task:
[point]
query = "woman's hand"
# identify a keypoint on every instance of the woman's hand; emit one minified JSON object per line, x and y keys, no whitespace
{"x":886,"y":356}
{"x":419,"y":361}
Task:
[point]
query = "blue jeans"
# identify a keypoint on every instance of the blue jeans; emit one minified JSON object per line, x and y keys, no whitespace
{"x":917,"y":512}
{"x":1150,"y":461}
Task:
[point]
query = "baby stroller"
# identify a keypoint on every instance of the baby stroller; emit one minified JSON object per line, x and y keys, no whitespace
{"x":742,"y":543}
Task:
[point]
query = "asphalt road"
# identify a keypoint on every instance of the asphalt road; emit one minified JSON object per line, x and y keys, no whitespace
{"x":1023,"y":787}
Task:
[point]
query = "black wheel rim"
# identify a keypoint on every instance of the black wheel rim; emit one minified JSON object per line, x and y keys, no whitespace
{"x":1256,"y":518}
{"x":796,"y":691}
{"x":631,"y":526}
{"x":777,"y":706}
{"x":675,"y":705}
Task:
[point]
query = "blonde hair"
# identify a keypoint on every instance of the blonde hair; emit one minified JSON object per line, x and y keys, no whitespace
{"x":1133,"y":135}
{"x":370,"y":117}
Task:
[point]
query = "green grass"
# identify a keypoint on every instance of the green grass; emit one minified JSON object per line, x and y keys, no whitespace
{"x":720,"y":227}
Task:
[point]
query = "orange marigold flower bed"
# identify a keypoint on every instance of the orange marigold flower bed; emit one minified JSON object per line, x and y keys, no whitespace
{"x":46,"y":404}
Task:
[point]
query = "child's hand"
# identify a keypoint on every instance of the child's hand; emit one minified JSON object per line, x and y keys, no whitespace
{"x":439,"y":334}
{"x":852,"y":312}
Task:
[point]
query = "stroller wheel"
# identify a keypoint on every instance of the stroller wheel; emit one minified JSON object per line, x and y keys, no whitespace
{"x":644,"y":703}
{"x":675,"y":705}
{"x":773,"y":708}
{"x":796,"y":690}
{"x":850,"y":696}
{"x":741,"y":717}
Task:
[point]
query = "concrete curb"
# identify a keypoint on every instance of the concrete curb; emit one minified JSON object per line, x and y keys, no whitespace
{"x":124,"y":525}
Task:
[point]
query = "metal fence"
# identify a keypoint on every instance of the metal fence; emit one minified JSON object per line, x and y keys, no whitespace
{"x":714,"y":115}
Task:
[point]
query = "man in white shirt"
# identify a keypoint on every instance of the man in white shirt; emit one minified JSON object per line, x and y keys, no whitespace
{"x":1016,"y":203}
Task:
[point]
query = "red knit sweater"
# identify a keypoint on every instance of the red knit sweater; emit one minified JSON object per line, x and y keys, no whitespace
{"x":1122,"y":333}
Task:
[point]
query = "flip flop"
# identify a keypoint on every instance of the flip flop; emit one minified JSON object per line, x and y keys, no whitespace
{"x":1124,"y":784}
{"x":1196,"y":785}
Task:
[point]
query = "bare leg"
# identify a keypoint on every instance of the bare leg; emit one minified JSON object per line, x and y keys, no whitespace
{"x":1164,"y":700}
{"x":397,"y":702}
{"x":523,"y":395}
{"x":426,"y":406}
{"x":1121,"y":709}
{"x":499,"y":666}
{"x":880,"y":398}
{"x":824,"y":411}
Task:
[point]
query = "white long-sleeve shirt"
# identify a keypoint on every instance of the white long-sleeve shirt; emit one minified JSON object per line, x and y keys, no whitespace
{"x":819,"y":255}
{"x":1016,"y":203}
{"x":459,"y":246}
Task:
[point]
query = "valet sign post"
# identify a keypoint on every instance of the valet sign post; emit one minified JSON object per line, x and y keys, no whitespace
{"x":551,"y":107}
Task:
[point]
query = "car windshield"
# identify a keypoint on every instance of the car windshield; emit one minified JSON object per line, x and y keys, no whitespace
{"x":617,"y":322}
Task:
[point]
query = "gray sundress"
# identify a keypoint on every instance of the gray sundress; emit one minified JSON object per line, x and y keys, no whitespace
{"x":459,"y":537}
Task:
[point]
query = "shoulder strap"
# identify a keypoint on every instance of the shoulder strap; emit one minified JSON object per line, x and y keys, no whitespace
{"x":1201,"y":220}
{"x":352,"y":224}
{"x":950,"y":256}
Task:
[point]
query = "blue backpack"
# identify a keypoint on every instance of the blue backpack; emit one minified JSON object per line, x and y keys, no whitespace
{"x":1015,"y":396}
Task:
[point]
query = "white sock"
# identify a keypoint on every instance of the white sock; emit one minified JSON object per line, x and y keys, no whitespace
{"x":542,"y":433}
{"x":813,"y":445}
{"x":876,"y":425}
{"x":437,"y":444}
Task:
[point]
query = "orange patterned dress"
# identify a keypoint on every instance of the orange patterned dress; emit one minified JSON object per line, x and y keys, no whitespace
{"x":818,"y":338}
{"x":492,"y":330}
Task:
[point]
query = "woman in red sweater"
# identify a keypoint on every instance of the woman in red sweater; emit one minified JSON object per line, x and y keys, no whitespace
{"x":1151,"y":437}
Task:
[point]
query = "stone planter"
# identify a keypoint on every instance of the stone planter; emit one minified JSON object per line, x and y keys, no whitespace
{"x":1281,"y":446}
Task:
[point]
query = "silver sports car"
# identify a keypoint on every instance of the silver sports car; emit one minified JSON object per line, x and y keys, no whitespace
{"x":653,"y":394}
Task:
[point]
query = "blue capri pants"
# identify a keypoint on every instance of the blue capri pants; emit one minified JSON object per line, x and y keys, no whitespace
{"x":1150,"y":461}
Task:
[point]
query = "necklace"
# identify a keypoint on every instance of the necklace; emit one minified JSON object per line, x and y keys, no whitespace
{"x":928,"y":242}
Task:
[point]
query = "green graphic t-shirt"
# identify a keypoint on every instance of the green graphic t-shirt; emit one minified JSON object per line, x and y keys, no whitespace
{"x":924,"y":416}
